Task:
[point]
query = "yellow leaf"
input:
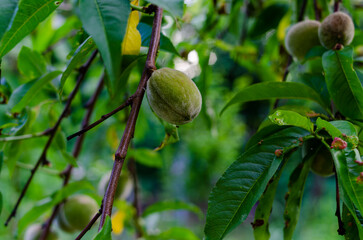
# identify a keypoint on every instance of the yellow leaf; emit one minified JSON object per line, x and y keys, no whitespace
{"x":118,"y":222}
{"x":132,"y":40}
{"x":281,"y":29}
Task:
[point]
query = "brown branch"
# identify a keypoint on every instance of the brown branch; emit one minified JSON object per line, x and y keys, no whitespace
{"x":341,"y":230}
{"x":336,"y":5}
{"x":317,"y":11}
{"x":128,"y":134}
{"x":103,"y":118}
{"x":136,"y":202}
{"x":302,"y":10}
{"x":76,"y":150}
{"x":90,"y":224}
{"x":42,"y":159}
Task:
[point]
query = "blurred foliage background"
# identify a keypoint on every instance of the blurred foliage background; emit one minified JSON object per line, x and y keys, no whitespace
{"x":223,"y":46}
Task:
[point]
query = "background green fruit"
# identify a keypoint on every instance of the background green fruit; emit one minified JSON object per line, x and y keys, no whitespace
{"x":322,"y":163}
{"x":34,"y":232}
{"x":301,"y":37}
{"x":336,"y":28}
{"x":124,"y":186}
{"x":173,"y":96}
{"x":77,"y":212}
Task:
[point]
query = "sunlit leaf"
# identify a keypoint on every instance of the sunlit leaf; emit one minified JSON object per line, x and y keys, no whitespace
{"x":28,"y":15}
{"x":118,"y":220}
{"x":290,"y":118}
{"x":175,"y":233}
{"x":340,"y":75}
{"x":132,"y":40}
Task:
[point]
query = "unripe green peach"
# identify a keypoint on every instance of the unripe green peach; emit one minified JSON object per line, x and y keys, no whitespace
{"x":337,"y":28}
{"x":322,"y":163}
{"x":34,"y":232}
{"x":124,"y":186}
{"x":173,"y":96}
{"x":301,"y":37}
{"x":77,"y":212}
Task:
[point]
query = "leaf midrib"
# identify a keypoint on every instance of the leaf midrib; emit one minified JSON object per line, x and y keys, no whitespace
{"x":22,"y":25}
{"x":346,"y":77}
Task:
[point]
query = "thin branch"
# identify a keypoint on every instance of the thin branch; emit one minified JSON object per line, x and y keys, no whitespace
{"x":90,"y":224}
{"x":341,"y":230}
{"x":336,"y":5}
{"x":302,"y":11}
{"x":26,"y":136}
{"x":76,"y":150}
{"x":317,"y":11}
{"x":103,"y":118}
{"x":128,"y":134}
{"x":30,"y":167}
{"x":136,"y":202}
{"x":42,"y":159}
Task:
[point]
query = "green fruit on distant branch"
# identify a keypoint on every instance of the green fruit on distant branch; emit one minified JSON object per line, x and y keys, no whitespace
{"x":301,"y":37}
{"x":35,"y":231}
{"x":173,"y":96}
{"x":124,"y":186}
{"x":77,"y":212}
{"x":337,"y":28}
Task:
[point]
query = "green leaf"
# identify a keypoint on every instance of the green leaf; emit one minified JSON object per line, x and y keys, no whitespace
{"x":146,"y":157}
{"x":31,"y":63}
{"x":175,"y":7}
{"x":24,"y":94}
{"x":69,"y":158}
{"x":7,"y":10}
{"x":60,"y":140}
{"x":290,"y":118}
{"x":348,"y":172}
{"x":245,"y":180}
{"x":77,"y":59}
{"x":342,"y":82}
{"x":105,"y":233}
{"x":264,"y":208}
{"x":171,"y":135}
{"x":327,"y":126}
{"x":295,"y":193}
{"x":105,"y":21}
{"x":1,"y":202}
{"x":165,"y":43}
{"x":172,"y":205}
{"x":175,"y":233}
{"x":29,"y":14}
{"x":350,"y":225}
{"x":273,"y":90}
{"x":1,"y":160}
{"x":36,"y":211}
{"x":269,"y":18}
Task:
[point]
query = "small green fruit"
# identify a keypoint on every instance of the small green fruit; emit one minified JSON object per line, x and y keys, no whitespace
{"x":173,"y":96}
{"x":34,"y":232}
{"x":124,"y":186}
{"x":301,"y":37}
{"x":337,"y":28}
{"x":77,"y":212}
{"x":322,"y":163}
